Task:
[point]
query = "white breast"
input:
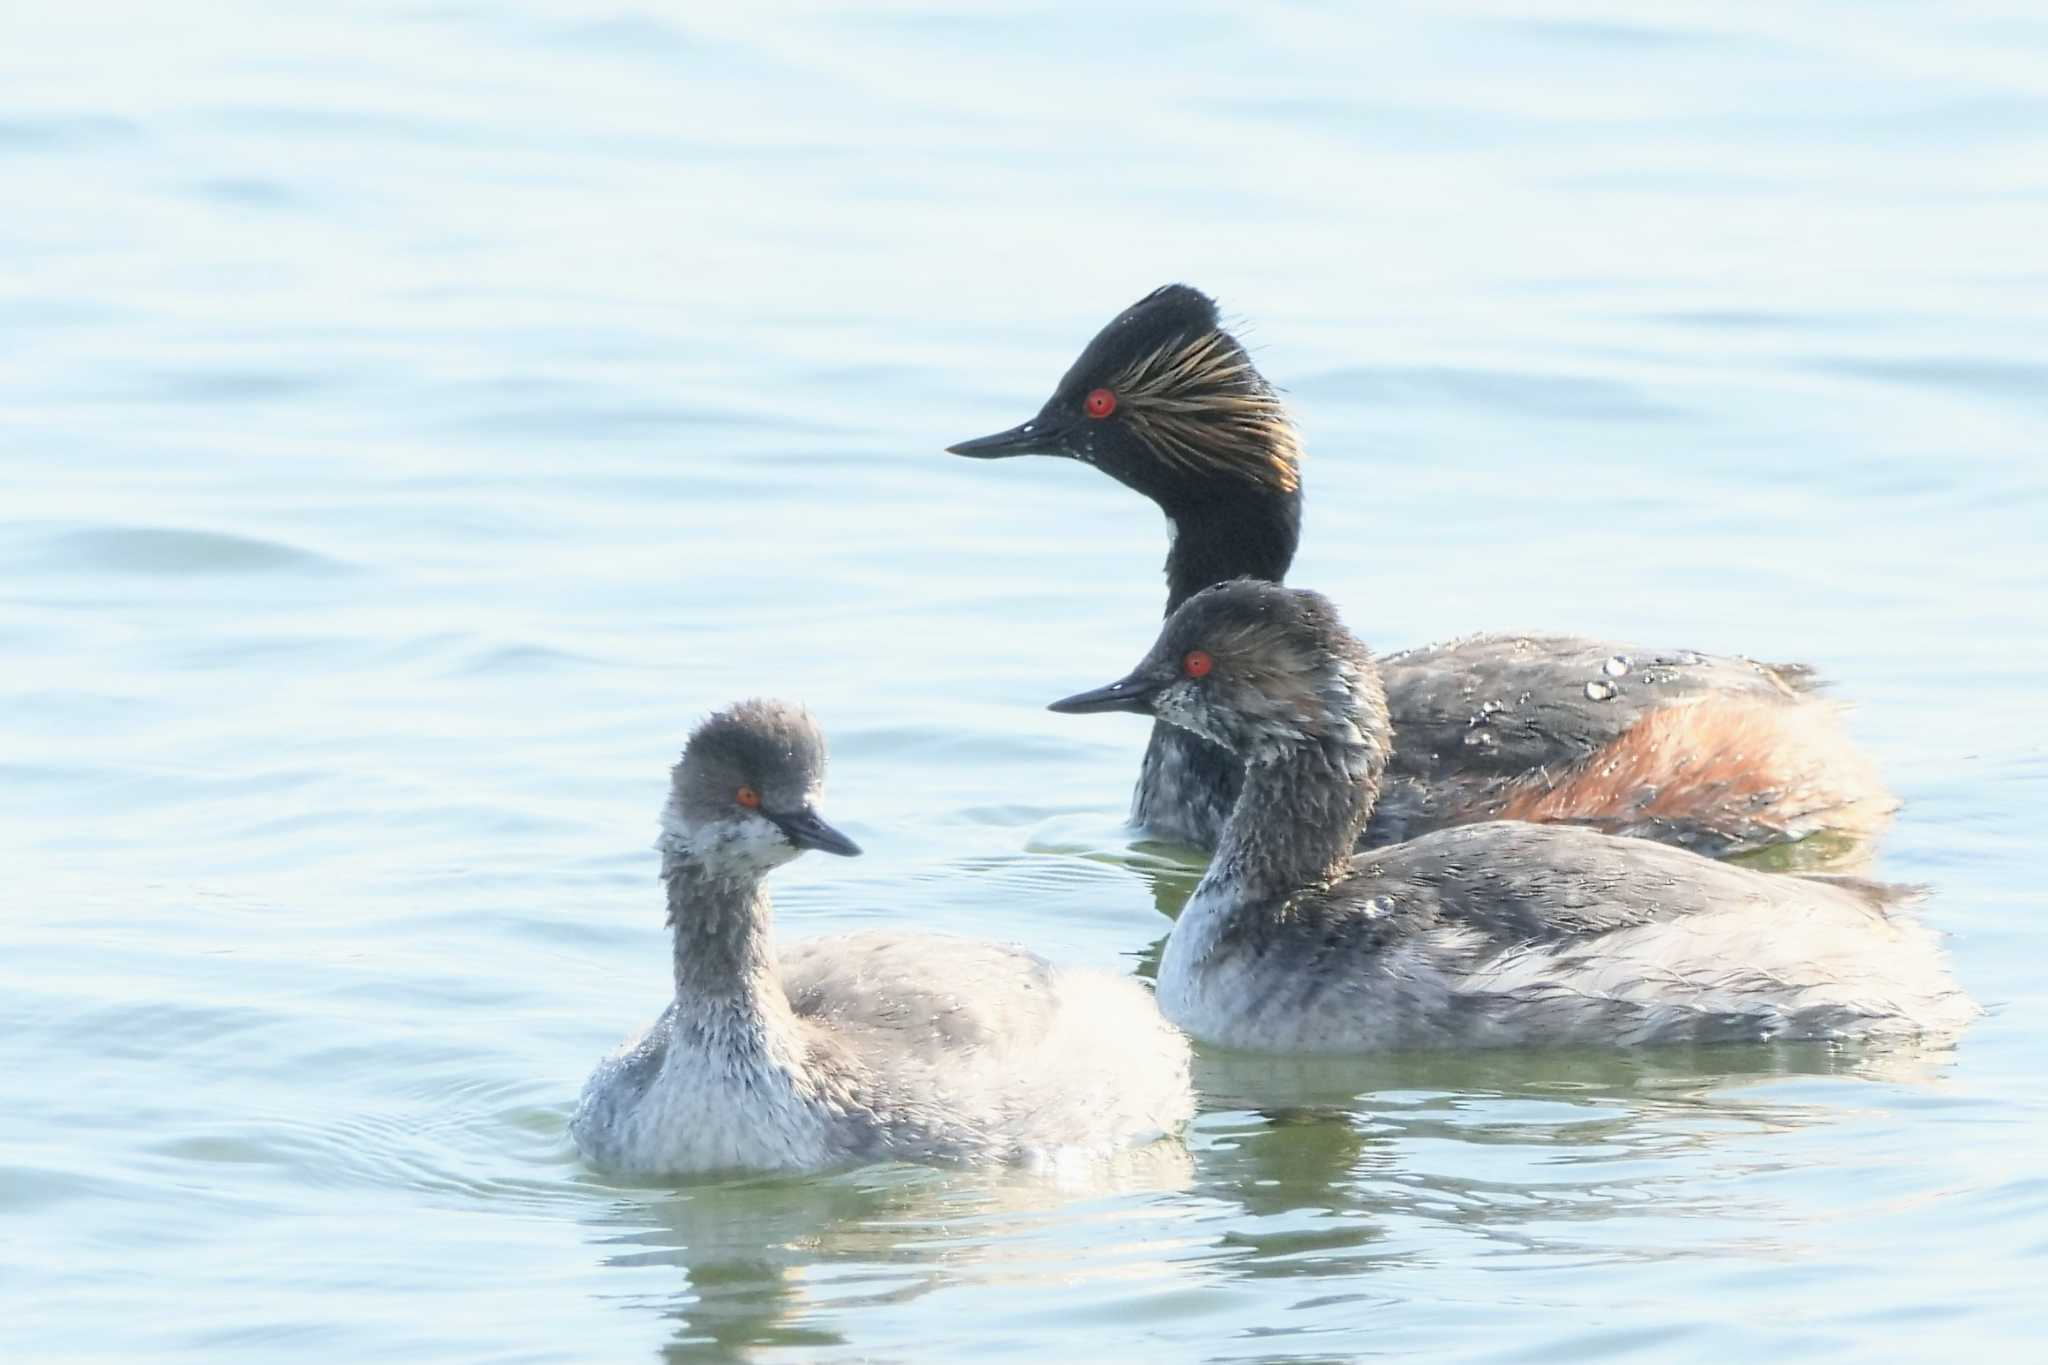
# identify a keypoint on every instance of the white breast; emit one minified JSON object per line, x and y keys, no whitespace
{"x":702,"y":1111}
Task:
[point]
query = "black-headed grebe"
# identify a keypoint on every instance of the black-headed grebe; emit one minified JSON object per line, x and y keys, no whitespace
{"x":1493,"y":933}
{"x":1721,"y":755}
{"x":873,"y":1046}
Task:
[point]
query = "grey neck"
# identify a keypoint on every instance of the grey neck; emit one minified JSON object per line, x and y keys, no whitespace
{"x":1299,"y":814}
{"x":724,"y":945}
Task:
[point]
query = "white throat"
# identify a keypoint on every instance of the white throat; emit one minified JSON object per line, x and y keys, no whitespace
{"x":746,"y":846}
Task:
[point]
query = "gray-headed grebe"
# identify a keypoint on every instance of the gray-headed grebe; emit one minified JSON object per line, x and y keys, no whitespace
{"x":1717,"y":754}
{"x":1491,"y":933}
{"x":872,"y":1046}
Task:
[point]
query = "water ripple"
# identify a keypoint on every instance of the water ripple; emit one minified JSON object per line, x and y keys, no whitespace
{"x":1525,"y":394}
{"x":169,"y":550}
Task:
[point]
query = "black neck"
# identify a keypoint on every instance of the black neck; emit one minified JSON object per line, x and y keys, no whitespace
{"x":1238,"y":530}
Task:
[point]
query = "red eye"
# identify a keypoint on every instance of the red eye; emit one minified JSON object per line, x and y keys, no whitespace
{"x":747,"y":797}
{"x":1197,"y":663}
{"x":1099,"y":404}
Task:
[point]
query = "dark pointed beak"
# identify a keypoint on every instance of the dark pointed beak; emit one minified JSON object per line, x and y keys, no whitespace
{"x":807,"y":829}
{"x":1132,"y":693}
{"x":1034,"y":437}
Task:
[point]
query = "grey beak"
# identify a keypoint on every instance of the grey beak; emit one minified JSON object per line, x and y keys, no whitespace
{"x":1131,"y":693}
{"x":1032,"y":438}
{"x":807,"y":829}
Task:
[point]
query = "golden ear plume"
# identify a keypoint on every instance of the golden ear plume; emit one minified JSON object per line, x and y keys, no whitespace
{"x":1199,"y":403}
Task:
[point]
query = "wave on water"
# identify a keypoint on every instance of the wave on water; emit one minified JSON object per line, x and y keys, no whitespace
{"x":174,"y":550}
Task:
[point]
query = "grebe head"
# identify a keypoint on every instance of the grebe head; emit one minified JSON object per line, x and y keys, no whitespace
{"x":1259,"y":669}
{"x":744,"y":798}
{"x":1167,"y":402}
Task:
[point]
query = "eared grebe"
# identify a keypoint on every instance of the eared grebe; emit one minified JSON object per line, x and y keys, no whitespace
{"x":1492,"y":933}
{"x":873,"y":1046}
{"x":1721,"y":755}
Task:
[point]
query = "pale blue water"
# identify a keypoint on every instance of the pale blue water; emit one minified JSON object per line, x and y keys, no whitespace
{"x":412,"y":417}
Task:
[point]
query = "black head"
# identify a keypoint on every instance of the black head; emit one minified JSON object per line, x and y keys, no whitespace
{"x":746,"y":789}
{"x":1167,"y":402}
{"x":1254,"y":667}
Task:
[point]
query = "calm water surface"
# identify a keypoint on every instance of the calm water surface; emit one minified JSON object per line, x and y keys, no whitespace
{"x":416,"y":415}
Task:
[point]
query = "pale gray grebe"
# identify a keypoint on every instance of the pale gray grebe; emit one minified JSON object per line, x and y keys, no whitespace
{"x":1491,"y":933}
{"x":1721,"y":755}
{"x":872,"y":1046}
